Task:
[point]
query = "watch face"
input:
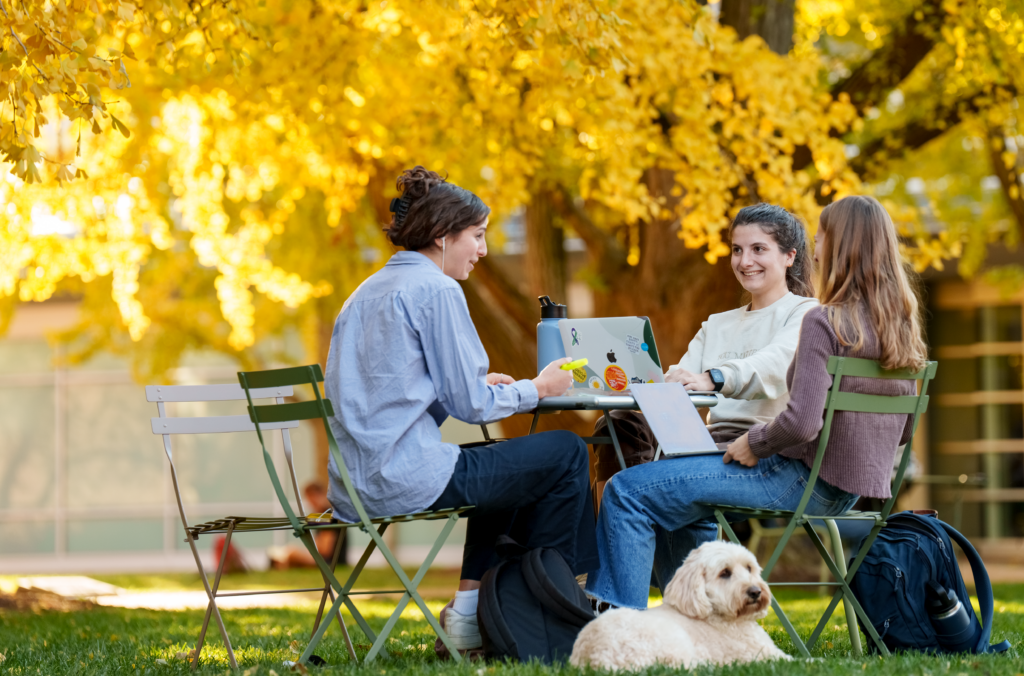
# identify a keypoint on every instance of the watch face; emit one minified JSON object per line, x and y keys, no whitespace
{"x":717,"y":378}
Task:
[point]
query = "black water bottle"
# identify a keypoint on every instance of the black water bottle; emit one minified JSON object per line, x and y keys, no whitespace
{"x":950,"y":618}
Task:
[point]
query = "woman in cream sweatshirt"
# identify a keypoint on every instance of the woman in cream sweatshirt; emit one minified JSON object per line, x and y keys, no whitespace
{"x":746,"y":350}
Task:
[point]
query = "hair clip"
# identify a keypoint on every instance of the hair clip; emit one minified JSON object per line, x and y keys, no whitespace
{"x":400,"y":207}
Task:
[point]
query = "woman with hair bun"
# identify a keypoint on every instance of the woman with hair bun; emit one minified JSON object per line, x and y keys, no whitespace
{"x":868,"y":310}
{"x":404,"y":356}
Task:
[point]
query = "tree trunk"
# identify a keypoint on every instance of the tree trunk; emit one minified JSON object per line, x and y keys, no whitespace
{"x":771,"y":19}
{"x":545,"y":260}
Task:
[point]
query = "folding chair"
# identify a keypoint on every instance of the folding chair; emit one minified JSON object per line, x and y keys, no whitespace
{"x":168,"y":426}
{"x":320,"y":408}
{"x":914,"y":405}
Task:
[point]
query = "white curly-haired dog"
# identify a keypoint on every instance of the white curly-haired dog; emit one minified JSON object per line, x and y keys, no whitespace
{"x":709,"y":614}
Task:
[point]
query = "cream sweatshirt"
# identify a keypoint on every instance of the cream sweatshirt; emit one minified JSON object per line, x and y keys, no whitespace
{"x":753,"y":350}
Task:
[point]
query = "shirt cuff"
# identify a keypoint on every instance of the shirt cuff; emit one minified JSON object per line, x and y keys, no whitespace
{"x":729,"y":376}
{"x":757,"y":437}
{"x":528,"y":396}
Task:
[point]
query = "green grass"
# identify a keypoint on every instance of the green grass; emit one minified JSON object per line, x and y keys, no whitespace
{"x":118,"y":641}
{"x":370,"y":578}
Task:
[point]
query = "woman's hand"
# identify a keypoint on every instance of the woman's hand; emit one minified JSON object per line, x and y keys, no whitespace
{"x":499,"y":379}
{"x":739,"y":451}
{"x":553,"y":381}
{"x":700,"y":382}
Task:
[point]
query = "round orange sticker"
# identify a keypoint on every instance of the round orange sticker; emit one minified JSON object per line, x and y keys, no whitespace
{"x":616,"y":378}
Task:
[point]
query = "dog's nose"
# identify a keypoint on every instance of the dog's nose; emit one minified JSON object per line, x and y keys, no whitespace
{"x":754,"y":593}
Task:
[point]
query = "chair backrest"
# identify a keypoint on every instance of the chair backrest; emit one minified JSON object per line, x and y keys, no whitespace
{"x":914,"y":405}
{"x":167,"y":426}
{"x":318,"y":407}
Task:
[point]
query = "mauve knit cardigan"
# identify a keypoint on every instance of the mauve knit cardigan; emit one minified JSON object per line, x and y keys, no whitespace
{"x":861,"y":446}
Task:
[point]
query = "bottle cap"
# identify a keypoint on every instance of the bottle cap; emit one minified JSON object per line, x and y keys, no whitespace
{"x":549,"y":310}
{"x":938,"y":600}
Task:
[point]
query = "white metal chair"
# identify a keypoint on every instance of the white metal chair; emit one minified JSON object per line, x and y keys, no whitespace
{"x":168,"y":426}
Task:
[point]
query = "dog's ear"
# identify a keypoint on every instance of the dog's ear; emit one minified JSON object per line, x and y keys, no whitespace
{"x":687,"y":592}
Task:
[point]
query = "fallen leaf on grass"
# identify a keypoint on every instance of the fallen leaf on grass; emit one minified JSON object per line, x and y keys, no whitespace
{"x":295,"y":666}
{"x":294,"y":646}
{"x":2,"y":658}
{"x":162,"y":662}
{"x":185,"y":656}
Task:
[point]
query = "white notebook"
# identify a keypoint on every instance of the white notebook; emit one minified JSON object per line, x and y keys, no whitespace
{"x":674,"y":419}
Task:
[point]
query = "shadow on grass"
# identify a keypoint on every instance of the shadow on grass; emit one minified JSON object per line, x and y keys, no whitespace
{"x":114,"y":640}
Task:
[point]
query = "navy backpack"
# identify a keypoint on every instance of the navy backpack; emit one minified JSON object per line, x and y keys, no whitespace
{"x":891,"y":582}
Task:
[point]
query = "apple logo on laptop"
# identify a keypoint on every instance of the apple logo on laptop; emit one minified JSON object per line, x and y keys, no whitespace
{"x":611,"y":356}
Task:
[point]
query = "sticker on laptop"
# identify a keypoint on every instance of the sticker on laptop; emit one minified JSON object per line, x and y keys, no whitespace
{"x":615,"y":377}
{"x":633,"y":344}
{"x":595,"y":383}
{"x":579,"y":375}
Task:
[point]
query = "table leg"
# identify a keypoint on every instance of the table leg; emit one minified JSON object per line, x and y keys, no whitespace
{"x":615,"y":440}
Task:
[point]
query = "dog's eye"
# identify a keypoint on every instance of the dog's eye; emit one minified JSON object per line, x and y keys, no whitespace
{"x":750,"y":569}
{"x":725,"y":574}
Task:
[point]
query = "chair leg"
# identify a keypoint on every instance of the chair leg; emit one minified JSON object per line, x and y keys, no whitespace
{"x":839,"y":557}
{"x":823,"y":574}
{"x":414,"y":595}
{"x":755,"y":536}
{"x":211,"y":594}
{"x":723,"y":525}
{"x":380,"y":640}
{"x":845,"y":593}
{"x":328,"y":592}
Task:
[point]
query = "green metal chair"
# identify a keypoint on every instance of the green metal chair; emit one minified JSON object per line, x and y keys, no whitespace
{"x":320,"y":408}
{"x":915,"y":405}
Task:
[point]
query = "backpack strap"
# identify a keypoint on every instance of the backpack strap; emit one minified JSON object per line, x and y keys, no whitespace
{"x":549,"y":595}
{"x":983,"y":587}
{"x":493,"y":625}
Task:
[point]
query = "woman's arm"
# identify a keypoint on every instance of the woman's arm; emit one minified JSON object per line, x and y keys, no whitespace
{"x":457,"y":364}
{"x":762,"y":375}
{"x":802,"y":420}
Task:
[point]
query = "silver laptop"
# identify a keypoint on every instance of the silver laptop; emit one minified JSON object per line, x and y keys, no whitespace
{"x":620,"y":352}
{"x":674,"y":419}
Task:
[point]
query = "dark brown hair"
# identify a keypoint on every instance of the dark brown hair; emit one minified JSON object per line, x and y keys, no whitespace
{"x":434,"y":208}
{"x":862,"y":273}
{"x":788,"y":232}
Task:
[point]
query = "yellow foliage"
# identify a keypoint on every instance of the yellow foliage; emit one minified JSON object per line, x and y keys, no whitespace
{"x":259,"y":139}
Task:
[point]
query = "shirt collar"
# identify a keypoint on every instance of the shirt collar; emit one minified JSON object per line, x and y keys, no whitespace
{"x":411,"y":258}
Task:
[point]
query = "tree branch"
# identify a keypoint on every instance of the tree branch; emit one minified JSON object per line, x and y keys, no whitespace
{"x":1008,"y":176}
{"x":911,"y":40}
{"x":602,"y":245}
{"x":895,"y":144}
{"x":520,"y":309}
{"x":870,"y":83}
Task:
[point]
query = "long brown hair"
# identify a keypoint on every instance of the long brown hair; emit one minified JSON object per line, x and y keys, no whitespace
{"x":862,"y":272}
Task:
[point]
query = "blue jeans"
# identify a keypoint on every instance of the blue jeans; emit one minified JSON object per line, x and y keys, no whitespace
{"x":650,"y":516}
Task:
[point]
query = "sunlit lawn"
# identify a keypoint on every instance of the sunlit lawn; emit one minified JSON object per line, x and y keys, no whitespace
{"x":114,"y":640}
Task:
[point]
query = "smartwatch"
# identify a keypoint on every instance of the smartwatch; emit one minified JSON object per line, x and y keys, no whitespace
{"x":717,"y":378}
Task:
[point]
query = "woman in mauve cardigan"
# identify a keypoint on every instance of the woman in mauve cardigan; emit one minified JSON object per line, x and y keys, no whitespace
{"x":868,"y":310}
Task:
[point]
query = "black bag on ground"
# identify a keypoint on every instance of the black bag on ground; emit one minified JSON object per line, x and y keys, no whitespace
{"x":530,"y":606}
{"x":914,"y":552}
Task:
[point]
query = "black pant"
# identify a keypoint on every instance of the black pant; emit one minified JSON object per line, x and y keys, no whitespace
{"x":535,"y":489}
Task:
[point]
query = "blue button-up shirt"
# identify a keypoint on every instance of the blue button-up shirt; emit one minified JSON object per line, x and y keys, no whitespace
{"x":404,"y":356}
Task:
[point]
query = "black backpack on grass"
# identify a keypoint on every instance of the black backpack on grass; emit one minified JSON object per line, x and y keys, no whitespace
{"x":530,"y":606}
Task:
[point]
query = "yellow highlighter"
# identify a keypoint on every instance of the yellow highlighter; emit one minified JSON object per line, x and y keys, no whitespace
{"x":574,"y":364}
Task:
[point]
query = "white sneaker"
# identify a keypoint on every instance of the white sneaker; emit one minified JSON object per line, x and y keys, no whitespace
{"x":463,"y":630}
